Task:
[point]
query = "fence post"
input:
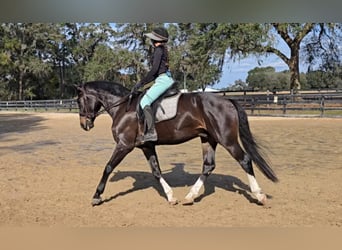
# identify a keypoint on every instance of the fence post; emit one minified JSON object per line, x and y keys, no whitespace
{"x":253,"y":105}
{"x":284,"y":106}
{"x":275,"y":99}
{"x":70,"y":105}
{"x":322,"y":105}
{"x":60,"y":105}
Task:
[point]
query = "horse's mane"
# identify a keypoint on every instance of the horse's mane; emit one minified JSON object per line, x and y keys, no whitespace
{"x":111,"y":87}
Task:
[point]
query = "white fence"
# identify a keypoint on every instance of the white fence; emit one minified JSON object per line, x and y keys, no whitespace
{"x":39,"y":105}
{"x":320,"y":104}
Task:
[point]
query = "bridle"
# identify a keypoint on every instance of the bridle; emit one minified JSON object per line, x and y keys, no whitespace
{"x":113,"y":105}
{"x":105,"y":109}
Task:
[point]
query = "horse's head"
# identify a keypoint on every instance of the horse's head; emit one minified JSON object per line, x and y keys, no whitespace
{"x":88,"y":105}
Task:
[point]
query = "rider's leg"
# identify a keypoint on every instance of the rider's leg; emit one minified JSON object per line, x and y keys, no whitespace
{"x":150,"y":134}
{"x":162,"y":83}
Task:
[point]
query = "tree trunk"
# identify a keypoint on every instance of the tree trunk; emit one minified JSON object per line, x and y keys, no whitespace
{"x":20,"y":82}
{"x":61,"y":79}
{"x":294,"y":45}
{"x":294,"y":68}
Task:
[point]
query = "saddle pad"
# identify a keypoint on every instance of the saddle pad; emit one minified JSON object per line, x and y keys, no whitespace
{"x":167,"y":109}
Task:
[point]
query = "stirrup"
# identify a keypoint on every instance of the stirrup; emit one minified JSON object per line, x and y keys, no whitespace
{"x":148,"y":137}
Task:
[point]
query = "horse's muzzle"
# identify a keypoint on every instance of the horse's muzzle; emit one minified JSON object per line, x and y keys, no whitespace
{"x":86,"y":123}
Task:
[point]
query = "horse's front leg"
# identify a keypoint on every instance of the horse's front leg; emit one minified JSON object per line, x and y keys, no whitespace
{"x":151,"y":156}
{"x":118,"y":155}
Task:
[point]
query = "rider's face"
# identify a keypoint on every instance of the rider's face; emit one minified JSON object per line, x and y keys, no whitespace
{"x":155,"y":43}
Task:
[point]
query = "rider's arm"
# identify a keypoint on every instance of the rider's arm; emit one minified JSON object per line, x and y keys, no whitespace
{"x":153,"y":73}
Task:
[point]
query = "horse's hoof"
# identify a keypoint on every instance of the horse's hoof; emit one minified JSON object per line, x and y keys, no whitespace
{"x":173,"y":201}
{"x":188,"y":202}
{"x":262,"y":198}
{"x":96,"y":201}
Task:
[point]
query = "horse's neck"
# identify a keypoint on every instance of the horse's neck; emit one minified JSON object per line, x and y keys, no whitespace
{"x":110,"y":102}
{"x":108,"y":98}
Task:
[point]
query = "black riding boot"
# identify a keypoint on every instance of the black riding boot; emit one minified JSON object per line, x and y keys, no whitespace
{"x":150,"y":134}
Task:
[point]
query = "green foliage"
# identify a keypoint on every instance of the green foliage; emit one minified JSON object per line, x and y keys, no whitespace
{"x":44,"y":60}
{"x":198,"y":53}
{"x":319,"y":79}
{"x":267,"y":79}
{"x":22,"y":55}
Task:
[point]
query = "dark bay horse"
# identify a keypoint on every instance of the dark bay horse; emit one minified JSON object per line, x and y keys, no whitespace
{"x":213,"y":118}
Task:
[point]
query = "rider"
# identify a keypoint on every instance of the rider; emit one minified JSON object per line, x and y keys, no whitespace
{"x":160,"y":74}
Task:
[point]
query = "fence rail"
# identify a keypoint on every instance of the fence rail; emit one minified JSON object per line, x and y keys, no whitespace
{"x":312,"y":104}
{"x":40,"y":105}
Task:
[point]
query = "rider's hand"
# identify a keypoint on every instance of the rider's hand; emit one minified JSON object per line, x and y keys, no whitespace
{"x":136,"y":87}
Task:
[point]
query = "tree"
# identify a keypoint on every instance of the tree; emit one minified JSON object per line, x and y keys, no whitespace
{"x":195,"y":54}
{"x":20,"y":55}
{"x":259,"y":78}
{"x":293,"y":35}
{"x":262,"y":39}
{"x":198,"y":53}
{"x":43,"y":60}
{"x":239,"y":85}
{"x":319,"y":79}
{"x":109,"y":65}
{"x":268,"y":79}
{"x":134,"y":49}
{"x":81,"y":43}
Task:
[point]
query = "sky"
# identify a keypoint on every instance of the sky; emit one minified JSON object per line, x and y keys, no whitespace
{"x":238,"y":70}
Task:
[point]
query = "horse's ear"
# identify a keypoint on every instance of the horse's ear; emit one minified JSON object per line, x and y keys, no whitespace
{"x":78,"y":88}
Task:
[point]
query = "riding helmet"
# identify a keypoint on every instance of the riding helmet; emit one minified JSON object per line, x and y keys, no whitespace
{"x":159,"y":34}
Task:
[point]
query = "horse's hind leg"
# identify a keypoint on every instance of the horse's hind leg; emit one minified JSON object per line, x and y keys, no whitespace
{"x":208,"y":149}
{"x":246,"y":163}
{"x":151,"y":156}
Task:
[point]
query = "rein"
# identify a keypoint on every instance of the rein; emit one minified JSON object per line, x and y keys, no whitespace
{"x":115,"y":104}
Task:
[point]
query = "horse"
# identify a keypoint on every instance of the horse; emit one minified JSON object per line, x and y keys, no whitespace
{"x":214,"y":118}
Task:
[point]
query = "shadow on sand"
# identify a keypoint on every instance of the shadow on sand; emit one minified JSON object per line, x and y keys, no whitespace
{"x":19,"y":123}
{"x":177,"y":177}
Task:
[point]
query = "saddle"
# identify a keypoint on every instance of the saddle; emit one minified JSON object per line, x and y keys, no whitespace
{"x":164,"y":107}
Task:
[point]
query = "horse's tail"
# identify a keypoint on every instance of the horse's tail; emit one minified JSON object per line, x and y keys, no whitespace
{"x":250,"y":144}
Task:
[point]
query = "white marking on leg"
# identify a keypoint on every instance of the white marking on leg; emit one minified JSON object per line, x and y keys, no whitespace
{"x":253,"y":184}
{"x":195,"y":189}
{"x":168,"y":191}
{"x":256,"y":190}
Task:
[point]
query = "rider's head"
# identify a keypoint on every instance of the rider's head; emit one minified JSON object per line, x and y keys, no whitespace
{"x":159,"y":34}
